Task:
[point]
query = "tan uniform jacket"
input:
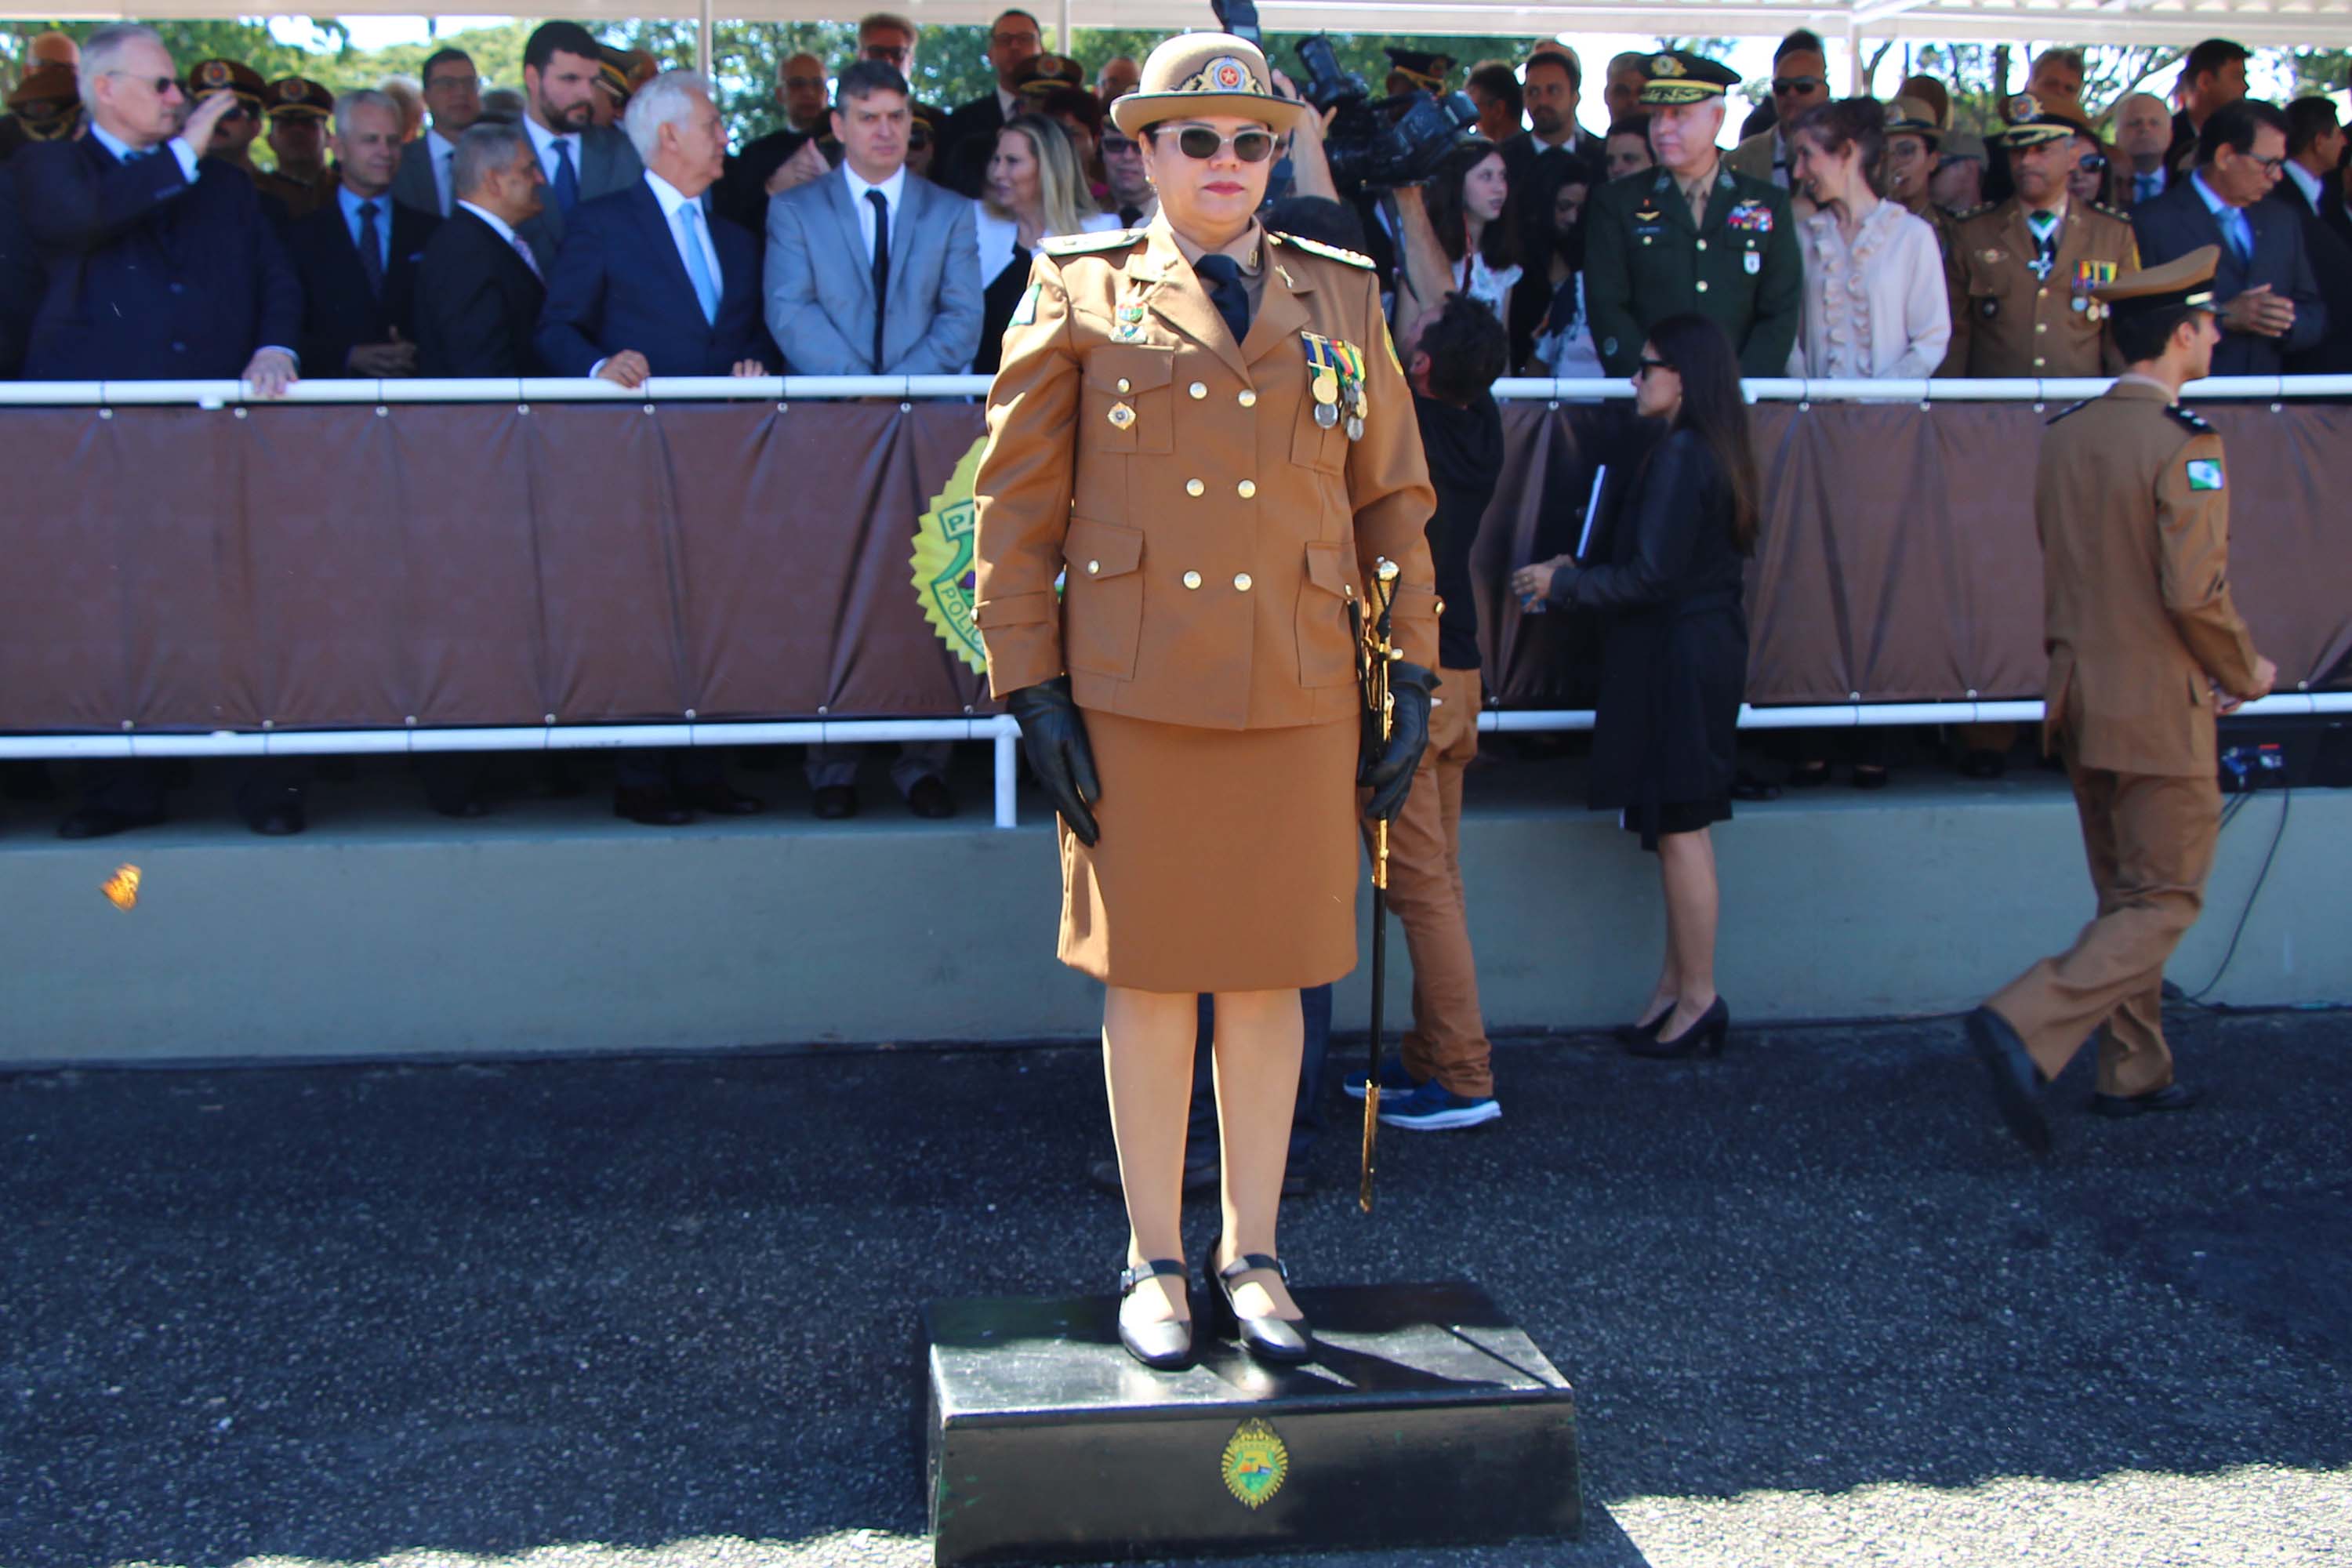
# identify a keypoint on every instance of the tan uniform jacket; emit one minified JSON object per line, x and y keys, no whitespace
{"x":1753,"y":157}
{"x":1215,"y":534}
{"x":2132,"y":502}
{"x":2006,"y":321}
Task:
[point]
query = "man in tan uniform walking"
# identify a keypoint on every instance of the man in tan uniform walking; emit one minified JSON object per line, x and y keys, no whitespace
{"x":2132,"y":503}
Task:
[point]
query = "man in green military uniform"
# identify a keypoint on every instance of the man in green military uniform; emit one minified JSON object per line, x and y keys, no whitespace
{"x":1693,"y":236}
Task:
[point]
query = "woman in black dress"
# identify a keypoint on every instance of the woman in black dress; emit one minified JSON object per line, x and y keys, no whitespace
{"x":1674,"y":656}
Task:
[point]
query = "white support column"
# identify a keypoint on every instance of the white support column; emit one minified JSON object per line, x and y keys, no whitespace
{"x":1856,"y":65}
{"x":702,"y":42}
{"x":1064,"y":39}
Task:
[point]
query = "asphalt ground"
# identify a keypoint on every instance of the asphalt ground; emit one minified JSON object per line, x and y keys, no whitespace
{"x":656,"y":1312}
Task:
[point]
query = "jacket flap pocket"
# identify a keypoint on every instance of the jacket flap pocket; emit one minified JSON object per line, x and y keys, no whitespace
{"x":1326,"y":568}
{"x":1099,"y":550}
{"x":1122,"y":369}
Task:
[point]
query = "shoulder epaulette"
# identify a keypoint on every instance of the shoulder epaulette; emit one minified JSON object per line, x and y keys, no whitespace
{"x":2195,"y":426}
{"x":1974,"y":212}
{"x":2105,"y":211}
{"x":1330,"y":252}
{"x":1086,"y":244}
{"x":2071,"y":408}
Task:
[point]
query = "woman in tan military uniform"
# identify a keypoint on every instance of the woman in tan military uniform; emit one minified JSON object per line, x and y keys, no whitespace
{"x":1201,"y":428}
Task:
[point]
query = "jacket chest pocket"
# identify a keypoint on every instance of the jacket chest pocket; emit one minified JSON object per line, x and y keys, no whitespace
{"x":1312,"y":446}
{"x":1129,"y":404}
{"x":1327,"y":638}
{"x":1102,"y":617}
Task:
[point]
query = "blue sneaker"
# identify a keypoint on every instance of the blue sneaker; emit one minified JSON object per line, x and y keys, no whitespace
{"x":1433,"y":1107}
{"x":1395,"y":1080}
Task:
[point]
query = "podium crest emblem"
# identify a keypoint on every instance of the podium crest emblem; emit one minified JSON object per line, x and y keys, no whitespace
{"x":1255,"y":1463}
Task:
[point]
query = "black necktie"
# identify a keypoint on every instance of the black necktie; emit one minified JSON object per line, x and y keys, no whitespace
{"x":881,"y":269}
{"x":1226,"y":292}
{"x":371,"y":249}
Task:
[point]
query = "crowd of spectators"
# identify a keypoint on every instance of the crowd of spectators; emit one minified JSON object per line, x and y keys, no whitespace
{"x":593,"y":222}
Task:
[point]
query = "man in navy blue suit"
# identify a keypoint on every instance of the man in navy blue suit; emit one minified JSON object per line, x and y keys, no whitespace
{"x":157,"y":264}
{"x":648,"y":282}
{"x":359,"y":253}
{"x":2271,"y":304}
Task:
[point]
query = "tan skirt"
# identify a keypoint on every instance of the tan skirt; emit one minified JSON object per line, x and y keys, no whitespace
{"x":1227,"y":860}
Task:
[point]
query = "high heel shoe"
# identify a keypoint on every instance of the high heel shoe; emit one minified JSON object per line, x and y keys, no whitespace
{"x":1630,"y":1034}
{"x":1703,"y":1038}
{"x":1166,"y":1345}
{"x":1285,"y":1340}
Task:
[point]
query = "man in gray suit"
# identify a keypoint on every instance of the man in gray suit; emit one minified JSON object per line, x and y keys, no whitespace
{"x":560,"y":66}
{"x":453,"y":91}
{"x":872,"y":271}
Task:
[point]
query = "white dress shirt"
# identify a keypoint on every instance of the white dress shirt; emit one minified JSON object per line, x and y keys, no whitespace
{"x":892,"y":190}
{"x":440,"y":154}
{"x":544,"y":140}
{"x":673,"y":206}
{"x":505,"y":231}
{"x":2305,"y":181}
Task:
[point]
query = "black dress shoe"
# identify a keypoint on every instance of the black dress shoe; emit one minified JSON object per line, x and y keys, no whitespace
{"x":462,"y":806}
{"x":1869,"y":775}
{"x":1982,"y":764}
{"x":1809,"y":775}
{"x":102,"y":822}
{"x":1166,"y":1345}
{"x":281,"y":819}
{"x":1634,"y":1033}
{"x":2171,"y":1097}
{"x":1286,"y":1341}
{"x":931,"y":798}
{"x":835,"y":803}
{"x":720,"y":800}
{"x":2016,"y":1081}
{"x":1745,"y":785}
{"x":1103,"y":1177}
{"x":653,"y":807}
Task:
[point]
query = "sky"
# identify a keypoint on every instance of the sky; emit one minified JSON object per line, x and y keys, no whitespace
{"x":1751,"y":58}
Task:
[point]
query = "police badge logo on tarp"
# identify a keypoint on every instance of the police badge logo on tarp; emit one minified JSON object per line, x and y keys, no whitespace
{"x":1256,"y":1464}
{"x":943,"y":565}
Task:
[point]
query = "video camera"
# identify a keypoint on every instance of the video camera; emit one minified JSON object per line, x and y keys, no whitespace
{"x":1373,"y":144}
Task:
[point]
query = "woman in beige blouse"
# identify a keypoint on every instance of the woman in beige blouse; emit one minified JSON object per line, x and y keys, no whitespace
{"x":1875,"y":301}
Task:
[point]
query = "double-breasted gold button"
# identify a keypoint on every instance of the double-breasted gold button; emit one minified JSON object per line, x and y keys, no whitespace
{"x":1199,"y":389}
{"x":1125,"y":385}
{"x":1191,"y":579}
{"x":1094,"y":568}
{"x":1195,"y":488}
{"x":1249,"y":399}
{"x":1248,"y":488}
{"x":1241,"y":582}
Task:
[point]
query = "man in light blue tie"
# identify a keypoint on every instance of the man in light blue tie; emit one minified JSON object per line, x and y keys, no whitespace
{"x":2143,"y":132}
{"x":647,"y":283}
{"x":581,"y":160}
{"x":2271,"y":303}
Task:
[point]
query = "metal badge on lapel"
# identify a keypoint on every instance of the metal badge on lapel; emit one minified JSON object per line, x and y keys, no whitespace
{"x":1121,"y":416}
{"x":1130,"y":321}
{"x":1753,"y":262}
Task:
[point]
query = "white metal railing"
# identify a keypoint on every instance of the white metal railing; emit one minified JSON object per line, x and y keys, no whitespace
{"x":1001,"y":731}
{"x":787,"y":389}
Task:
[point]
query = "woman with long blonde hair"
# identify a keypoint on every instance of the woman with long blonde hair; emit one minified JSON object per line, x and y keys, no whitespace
{"x":1035,"y":190}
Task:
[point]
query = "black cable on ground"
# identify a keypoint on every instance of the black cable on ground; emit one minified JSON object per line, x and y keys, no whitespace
{"x":2286,"y":804}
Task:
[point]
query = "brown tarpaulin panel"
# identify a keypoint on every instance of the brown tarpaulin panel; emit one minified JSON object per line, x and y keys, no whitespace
{"x":331,"y":567}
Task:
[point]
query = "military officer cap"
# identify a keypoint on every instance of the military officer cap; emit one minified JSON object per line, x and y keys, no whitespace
{"x":1425,"y":69}
{"x":45,"y":91}
{"x":1912,"y":117}
{"x":1963,"y":144}
{"x":297,"y":97}
{"x":612,"y":70}
{"x":1205,"y":74}
{"x":2186,"y":281}
{"x":1677,"y":76}
{"x":2033,"y":122}
{"x":1041,"y":74}
{"x":206,"y":77}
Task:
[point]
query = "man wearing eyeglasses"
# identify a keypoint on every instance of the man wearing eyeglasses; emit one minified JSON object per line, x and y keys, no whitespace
{"x":963,"y":157}
{"x":1800,"y":80}
{"x":157,"y":265}
{"x":2271,"y":304}
{"x":889,"y":37}
{"x":801,"y":152}
{"x":453,"y":91}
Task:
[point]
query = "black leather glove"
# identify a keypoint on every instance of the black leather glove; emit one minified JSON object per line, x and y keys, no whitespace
{"x":1054,"y":734}
{"x":1391,"y":773}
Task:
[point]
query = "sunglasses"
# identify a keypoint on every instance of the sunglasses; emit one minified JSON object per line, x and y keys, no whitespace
{"x":1786,"y":84}
{"x":1649,"y":365}
{"x":2093,"y":163}
{"x":1201,"y":142}
{"x":162,"y":86}
{"x":1117,"y":144}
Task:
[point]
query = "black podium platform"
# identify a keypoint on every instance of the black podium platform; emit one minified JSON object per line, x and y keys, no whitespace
{"x":1426,"y":1418}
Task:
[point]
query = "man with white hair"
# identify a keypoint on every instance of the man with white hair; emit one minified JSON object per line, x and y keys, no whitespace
{"x":648,"y":283}
{"x":357,"y":254}
{"x":2143,"y":134}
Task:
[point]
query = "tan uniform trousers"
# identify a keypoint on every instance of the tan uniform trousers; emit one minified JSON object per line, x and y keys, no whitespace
{"x":2149,"y":838}
{"x":1448,"y":1038}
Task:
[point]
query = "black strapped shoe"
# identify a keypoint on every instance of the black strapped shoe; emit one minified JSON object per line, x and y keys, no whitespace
{"x":1163,"y":1346}
{"x":1285,"y":1339}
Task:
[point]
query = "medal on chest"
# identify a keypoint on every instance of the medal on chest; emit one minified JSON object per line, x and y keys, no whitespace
{"x":1322,"y":378}
{"x":1352,"y":387}
{"x":1130,"y":327}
